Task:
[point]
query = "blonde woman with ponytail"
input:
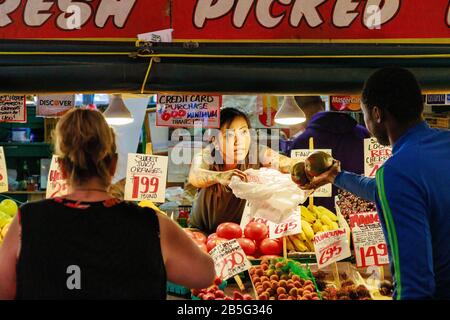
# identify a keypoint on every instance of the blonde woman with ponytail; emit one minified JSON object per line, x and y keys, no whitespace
{"x":88,"y":244}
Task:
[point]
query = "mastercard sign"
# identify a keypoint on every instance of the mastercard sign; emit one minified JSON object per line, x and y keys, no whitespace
{"x":346,"y":103}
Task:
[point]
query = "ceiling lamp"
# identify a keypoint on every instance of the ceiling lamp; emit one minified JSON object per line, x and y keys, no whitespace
{"x":117,"y":113}
{"x":290,"y":113}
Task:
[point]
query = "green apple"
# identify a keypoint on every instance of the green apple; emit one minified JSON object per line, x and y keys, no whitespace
{"x":9,"y":207}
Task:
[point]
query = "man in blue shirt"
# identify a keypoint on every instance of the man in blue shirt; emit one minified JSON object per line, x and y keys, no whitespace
{"x":412,"y":188}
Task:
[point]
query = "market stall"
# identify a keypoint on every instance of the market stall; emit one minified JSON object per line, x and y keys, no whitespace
{"x":190,"y":53}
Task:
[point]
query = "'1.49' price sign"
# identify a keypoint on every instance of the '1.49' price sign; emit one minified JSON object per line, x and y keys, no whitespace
{"x":146,"y":178}
{"x":331,"y":246}
{"x":368,"y":240}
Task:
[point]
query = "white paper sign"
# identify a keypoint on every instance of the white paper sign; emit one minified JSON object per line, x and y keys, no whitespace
{"x":56,"y":185}
{"x":13,"y":108}
{"x":301,"y":154}
{"x":146,"y":177}
{"x":331,"y":246}
{"x":229,"y":259}
{"x":368,"y":240}
{"x":157,"y":36}
{"x":54,"y":105}
{"x":374,"y":156}
{"x":3,"y":172}
{"x":289,"y":226}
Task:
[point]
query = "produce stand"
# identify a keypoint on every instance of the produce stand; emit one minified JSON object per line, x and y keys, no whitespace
{"x":219,"y":58}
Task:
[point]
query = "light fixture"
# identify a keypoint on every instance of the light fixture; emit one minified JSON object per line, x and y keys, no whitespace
{"x":290,"y":113}
{"x":117,"y":113}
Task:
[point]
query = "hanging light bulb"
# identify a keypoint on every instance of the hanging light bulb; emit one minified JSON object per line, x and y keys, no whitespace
{"x":117,"y":113}
{"x":290,"y":113}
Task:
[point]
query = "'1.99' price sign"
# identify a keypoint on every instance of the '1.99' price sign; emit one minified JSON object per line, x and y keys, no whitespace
{"x":146,"y":178}
{"x":368,"y":240}
{"x":331,"y":246}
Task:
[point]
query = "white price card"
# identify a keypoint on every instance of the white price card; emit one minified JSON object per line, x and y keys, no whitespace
{"x":56,"y":185}
{"x":374,"y":156}
{"x":229,"y":259}
{"x":289,"y":226}
{"x":368,"y":240}
{"x":331,"y":246}
{"x":146,"y":177}
{"x":301,"y":154}
{"x":3,"y":172}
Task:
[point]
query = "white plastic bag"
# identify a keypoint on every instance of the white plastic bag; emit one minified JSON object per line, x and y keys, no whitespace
{"x":271,"y":194}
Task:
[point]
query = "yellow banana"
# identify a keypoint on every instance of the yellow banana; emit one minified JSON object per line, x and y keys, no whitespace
{"x":314,"y":211}
{"x":325,"y":227}
{"x":298,"y":244}
{"x":326,"y":220}
{"x":310,"y":245}
{"x":306,"y":228}
{"x":302,"y":236}
{"x":289,"y":245}
{"x":328,"y":213}
{"x":307,"y":215}
{"x":317,"y":227}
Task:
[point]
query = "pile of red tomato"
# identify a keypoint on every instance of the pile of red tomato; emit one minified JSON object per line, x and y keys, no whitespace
{"x":253,"y":240}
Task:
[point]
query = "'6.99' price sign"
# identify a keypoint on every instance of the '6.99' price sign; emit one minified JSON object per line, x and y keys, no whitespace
{"x":331,"y":246}
{"x":146,"y":178}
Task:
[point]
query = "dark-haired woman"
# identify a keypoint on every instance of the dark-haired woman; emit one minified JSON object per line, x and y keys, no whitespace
{"x":88,"y":244}
{"x":215,"y":203}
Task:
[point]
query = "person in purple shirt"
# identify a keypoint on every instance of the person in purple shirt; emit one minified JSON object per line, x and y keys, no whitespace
{"x":337,"y":131}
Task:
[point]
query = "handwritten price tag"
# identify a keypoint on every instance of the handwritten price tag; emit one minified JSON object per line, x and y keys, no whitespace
{"x":331,"y":246}
{"x":290,"y":226}
{"x":56,"y":185}
{"x":368,"y":240}
{"x":229,"y":259}
{"x":3,"y":172}
{"x":146,"y":177}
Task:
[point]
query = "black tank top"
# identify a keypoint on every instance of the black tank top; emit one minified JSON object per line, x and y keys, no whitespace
{"x":111,"y":249}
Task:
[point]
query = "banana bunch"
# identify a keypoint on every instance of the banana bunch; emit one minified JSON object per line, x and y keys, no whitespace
{"x":315,"y":219}
{"x":3,"y":231}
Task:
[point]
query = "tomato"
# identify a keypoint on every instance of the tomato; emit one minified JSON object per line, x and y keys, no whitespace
{"x":247,"y":245}
{"x":212,"y":236}
{"x":212,"y":243}
{"x":229,"y":230}
{"x":270,"y":247}
{"x":256,"y":231}
{"x":199,"y":236}
{"x":202,"y":246}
